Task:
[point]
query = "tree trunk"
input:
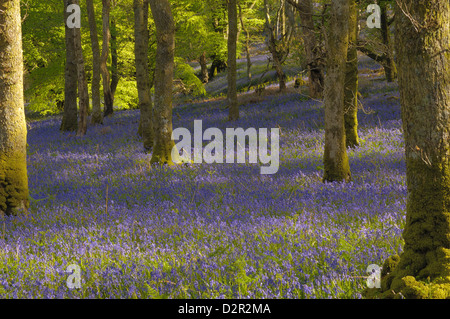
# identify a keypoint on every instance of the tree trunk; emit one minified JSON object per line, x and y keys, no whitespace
{"x":275,"y":49}
{"x":247,"y":46}
{"x":336,"y":163}
{"x":142,"y":72}
{"x":204,"y":69}
{"x":351,"y":81}
{"x":83,"y":93}
{"x":70,"y":114}
{"x":422,"y":45}
{"x":97,"y":117}
{"x":233,"y":107}
{"x":217,"y":65}
{"x":13,"y":129}
{"x":114,"y":59}
{"x":389,"y":65}
{"x":313,"y":51}
{"x":162,"y":121}
{"x":107,"y":95}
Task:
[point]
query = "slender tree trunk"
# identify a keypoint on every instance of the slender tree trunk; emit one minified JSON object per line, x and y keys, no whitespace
{"x":204,"y":69}
{"x":13,"y":129}
{"x":162,"y":121}
{"x":275,"y":49}
{"x":70,"y":114}
{"x":351,"y":81}
{"x":107,"y":95}
{"x":142,"y":72}
{"x":97,"y":117}
{"x":114,"y":59}
{"x":247,"y":46}
{"x":83,"y":93}
{"x":312,"y":49}
{"x":422,"y":44}
{"x":389,"y":65}
{"x":336,"y":163}
{"x":233,"y":106}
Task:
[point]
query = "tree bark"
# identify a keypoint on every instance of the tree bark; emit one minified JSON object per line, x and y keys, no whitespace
{"x":142,"y":72}
{"x":13,"y":130}
{"x":233,"y":107}
{"x":351,"y":81}
{"x":83,"y":93}
{"x":278,"y":49}
{"x":114,"y":59}
{"x":97,"y":117}
{"x":422,"y":44}
{"x":162,"y":121}
{"x":247,"y":46}
{"x":70,"y":114}
{"x":204,"y":69}
{"x":107,"y":95}
{"x":313,"y":51}
{"x":336,"y":165}
{"x":389,"y":66}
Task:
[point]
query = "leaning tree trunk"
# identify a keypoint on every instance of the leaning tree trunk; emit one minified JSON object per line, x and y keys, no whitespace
{"x":162,"y":121}
{"x":97,"y":117}
{"x":83,"y":93}
{"x":351,"y":81}
{"x":233,"y":107}
{"x":142,"y":72}
{"x":70,"y":113}
{"x":422,"y":44}
{"x":336,"y":165}
{"x":13,"y":129}
{"x":107,"y":95}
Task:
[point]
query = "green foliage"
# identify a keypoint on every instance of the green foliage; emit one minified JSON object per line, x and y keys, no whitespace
{"x":185,"y":73}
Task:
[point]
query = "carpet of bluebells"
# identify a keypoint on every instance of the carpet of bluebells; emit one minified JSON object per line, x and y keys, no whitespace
{"x":208,"y":230}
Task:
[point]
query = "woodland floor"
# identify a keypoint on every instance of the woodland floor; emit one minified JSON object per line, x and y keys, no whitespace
{"x":209,"y":230}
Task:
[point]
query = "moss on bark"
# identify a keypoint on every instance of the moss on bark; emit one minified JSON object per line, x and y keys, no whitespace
{"x":336,"y":164}
{"x":13,"y":183}
{"x":423,"y":269}
{"x":13,"y":132}
{"x":351,"y":82}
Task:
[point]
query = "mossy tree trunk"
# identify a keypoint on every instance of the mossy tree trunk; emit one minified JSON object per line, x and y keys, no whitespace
{"x":233,"y":107}
{"x":351,"y":81}
{"x":13,"y":130}
{"x":422,"y":44}
{"x":107,"y":95}
{"x":336,"y":165}
{"x":162,"y":120}
{"x":313,"y":51}
{"x":142,"y":71}
{"x":70,"y":113}
{"x":97,"y":117}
